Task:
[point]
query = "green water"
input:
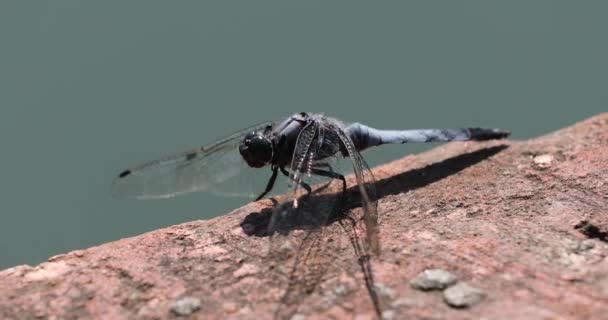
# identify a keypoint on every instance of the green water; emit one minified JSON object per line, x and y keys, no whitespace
{"x":89,"y":88}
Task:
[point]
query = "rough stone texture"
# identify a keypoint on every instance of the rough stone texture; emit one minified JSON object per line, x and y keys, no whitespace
{"x":433,"y":279}
{"x":186,"y":306}
{"x":526,"y":222}
{"x":462,"y":295}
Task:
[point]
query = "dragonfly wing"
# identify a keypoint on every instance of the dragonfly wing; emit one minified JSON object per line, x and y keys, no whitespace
{"x":301,"y":158}
{"x":308,"y":203}
{"x":209,"y":168}
{"x":306,"y":210}
{"x":314,"y":165}
{"x":369,"y":197}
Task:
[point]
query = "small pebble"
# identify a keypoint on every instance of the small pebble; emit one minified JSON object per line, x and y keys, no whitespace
{"x":543,"y":161}
{"x":580,"y":247}
{"x":340,"y":290}
{"x":298,"y":316}
{"x":79,"y":253}
{"x":587,"y":245}
{"x":433,"y":279}
{"x":186,"y":306}
{"x":462,"y":295}
{"x":56,"y":257}
{"x":387,"y":315}
{"x":245,"y":270}
{"x":384,"y":290}
{"x":286,"y":248}
{"x":431,"y":212}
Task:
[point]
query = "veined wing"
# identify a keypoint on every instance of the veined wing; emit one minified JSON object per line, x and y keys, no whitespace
{"x":201,"y":169}
{"x":314,"y":163}
{"x":303,"y":154}
{"x":308,"y":206}
{"x":369,"y":198}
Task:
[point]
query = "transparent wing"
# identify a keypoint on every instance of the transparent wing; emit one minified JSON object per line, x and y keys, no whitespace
{"x":312,"y":213}
{"x":366,"y":185}
{"x":216,"y":168}
{"x":303,"y":155}
{"x":309,"y":203}
{"x":300,"y":219}
{"x":317,"y":186}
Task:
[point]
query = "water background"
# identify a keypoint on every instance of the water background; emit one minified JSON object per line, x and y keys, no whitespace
{"x":89,"y":88}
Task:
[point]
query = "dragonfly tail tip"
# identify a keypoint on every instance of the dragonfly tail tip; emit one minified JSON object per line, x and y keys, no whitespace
{"x":124,"y":173}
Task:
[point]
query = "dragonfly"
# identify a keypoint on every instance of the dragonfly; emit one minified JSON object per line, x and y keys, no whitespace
{"x":298,"y":147}
{"x":303,"y":147}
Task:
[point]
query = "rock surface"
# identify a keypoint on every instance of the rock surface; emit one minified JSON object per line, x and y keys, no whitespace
{"x":525,"y":222}
{"x":186,"y":306}
{"x":433,"y":279}
{"x":462,"y":295}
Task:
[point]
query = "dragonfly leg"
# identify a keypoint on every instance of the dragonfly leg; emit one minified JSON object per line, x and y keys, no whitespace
{"x":334,"y":175}
{"x":303,"y":184}
{"x":270,"y":183}
{"x":330,"y":174}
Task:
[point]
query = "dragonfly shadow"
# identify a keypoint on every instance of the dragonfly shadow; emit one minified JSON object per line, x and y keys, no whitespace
{"x":256,"y":223}
{"x":418,"y":178}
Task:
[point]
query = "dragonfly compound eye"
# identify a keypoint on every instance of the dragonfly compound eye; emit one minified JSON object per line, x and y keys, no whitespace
{"x":256,"y":150}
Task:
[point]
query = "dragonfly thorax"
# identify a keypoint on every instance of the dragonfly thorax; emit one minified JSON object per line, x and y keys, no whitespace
{"x":256,"y":149}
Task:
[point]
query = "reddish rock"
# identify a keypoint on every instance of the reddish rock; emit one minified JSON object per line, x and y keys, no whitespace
{"x":525,"y":222}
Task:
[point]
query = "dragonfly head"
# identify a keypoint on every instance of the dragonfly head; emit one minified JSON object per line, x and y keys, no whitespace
{"x":256,"y":149}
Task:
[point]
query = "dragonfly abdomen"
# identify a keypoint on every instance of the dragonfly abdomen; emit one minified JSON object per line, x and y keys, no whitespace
{"x":364,"y":136}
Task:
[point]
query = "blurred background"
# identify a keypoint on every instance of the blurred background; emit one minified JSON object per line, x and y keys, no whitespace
{"x":90,"y":88}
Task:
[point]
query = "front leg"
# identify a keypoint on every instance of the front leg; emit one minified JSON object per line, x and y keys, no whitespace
{"x":270,"y":184}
